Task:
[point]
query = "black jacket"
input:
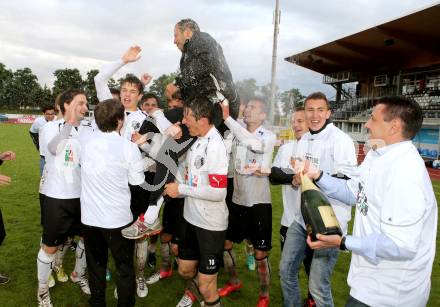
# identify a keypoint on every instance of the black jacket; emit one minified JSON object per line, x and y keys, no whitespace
{"x":202,"y":56}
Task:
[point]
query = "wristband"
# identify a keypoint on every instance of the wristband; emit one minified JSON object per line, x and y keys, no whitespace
{"x":342,"y":246}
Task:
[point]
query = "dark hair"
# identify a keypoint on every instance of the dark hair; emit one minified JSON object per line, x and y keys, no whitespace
{"x":115,"y":91}
{"x":148,"y":96}
{"x":188,"y":24}
{"x":67,"y":97}
{"x":299,"y":109}
{"x":108,"y":113}
{"x":201,"y":107}
{"x":47,"y":107}
{"x":132,"y":79}
{"x":407,"y":110}
{"x":317,"y":96}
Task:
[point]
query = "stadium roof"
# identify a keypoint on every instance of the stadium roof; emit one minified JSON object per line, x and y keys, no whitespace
{"x":404,"y":43}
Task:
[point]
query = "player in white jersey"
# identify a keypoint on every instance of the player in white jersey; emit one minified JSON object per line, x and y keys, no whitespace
{"x":130,"y":94}
{"x":34,"y":131}
{"x":250,"y":214}
{"x":282,"y":172}
{"x":326,"y":146}
{"x":205,"y":211}
{"x":62,"y":210}
{"x":70,"y":243}
{"x":395,"y":227}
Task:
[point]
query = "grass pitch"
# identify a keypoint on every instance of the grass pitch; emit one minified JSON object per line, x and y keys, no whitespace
{"x":21,"y":212}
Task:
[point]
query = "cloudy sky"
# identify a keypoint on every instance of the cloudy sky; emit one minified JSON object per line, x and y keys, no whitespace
{"x":46,"y":35}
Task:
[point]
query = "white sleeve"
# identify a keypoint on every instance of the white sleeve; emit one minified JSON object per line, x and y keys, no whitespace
{"x":53,"y":145}
{"x":101,"y":79}
{"x":217,"y":173}
{"x":243,"y":135}
{"x":161,"y":122}
{"x":34,"y":128}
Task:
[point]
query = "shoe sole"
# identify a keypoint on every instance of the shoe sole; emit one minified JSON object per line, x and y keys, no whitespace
{"x":144,"y":235}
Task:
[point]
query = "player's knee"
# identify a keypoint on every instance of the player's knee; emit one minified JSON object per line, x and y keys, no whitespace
{"x":259,"y":254}
{"x":175,"y":249}
{"x":186,"y":273}
{"x":49,"y":249}
{"x":228,"y":244}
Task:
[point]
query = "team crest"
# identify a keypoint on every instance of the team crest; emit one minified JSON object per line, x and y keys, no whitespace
{"x":135,"y":125}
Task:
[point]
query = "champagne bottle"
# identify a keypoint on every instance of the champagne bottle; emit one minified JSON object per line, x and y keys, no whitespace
{"x":317,"y":211}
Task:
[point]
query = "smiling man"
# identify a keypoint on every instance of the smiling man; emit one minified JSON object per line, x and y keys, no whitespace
{"x":394,"y":233}
{"x":61,"y":206}
{"x":330,"y":149}
{"x":205,"y":215}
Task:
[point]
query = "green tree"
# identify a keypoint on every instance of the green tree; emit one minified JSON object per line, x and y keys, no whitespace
{"x":67,"y":79}
{"x":44,"y":97}
{"x":158,"y":86}
{"x":89,"y":87}
{"x":5,"y":81}
{"x":247,"y":89}
{"x":23,"y":90}
{"x":291,"y":99}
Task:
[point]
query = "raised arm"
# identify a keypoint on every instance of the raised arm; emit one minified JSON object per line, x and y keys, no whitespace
{"x":101,"y":79}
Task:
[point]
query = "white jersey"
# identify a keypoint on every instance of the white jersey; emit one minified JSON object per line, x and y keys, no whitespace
{"x":333,"y":152}
{"x":205,"y":182}
{"x":246,"y":154}
{"x":394,"y":198}
{"x":132,"y":122}
{"x":61,"y":178}
{"x":291,"y":194}
{"x":108,"y":164}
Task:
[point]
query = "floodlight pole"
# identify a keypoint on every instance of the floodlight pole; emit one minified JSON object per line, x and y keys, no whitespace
{"x":276,"y":15}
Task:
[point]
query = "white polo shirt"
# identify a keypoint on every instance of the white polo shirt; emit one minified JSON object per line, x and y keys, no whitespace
{"x":108,"y":164}
{"x":332,"y":151}
{"x":61,"y":178}
{"x":398,"y":201}
{"x":291,"y":194}
{"x":205,"y":175}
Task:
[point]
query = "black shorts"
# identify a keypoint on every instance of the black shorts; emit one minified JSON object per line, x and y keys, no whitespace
{"x":41,"y":198}
{"x":203,"y":245}
{"x":252,"y":223}
{"x":172,"y":217}
{"x":62,"y":218}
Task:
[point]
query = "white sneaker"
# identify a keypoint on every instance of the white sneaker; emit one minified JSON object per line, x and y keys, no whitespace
{"x":44,"y":298}
{"x":158,"y":276}
{"x":51,"y":281}
{"x":140,"y":229}
{"x":82,"y":281}
{"x":141,"y":287}
{"x":187,"y":300}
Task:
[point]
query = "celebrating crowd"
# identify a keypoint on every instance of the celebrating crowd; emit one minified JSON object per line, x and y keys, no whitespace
{"x":208,"y":169}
